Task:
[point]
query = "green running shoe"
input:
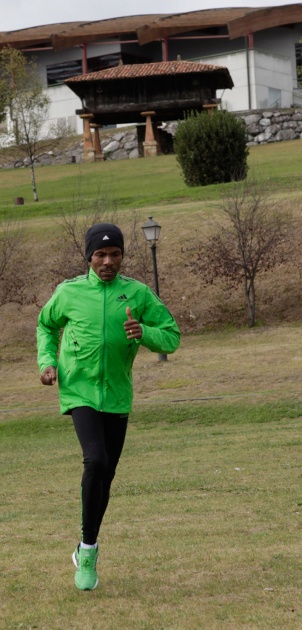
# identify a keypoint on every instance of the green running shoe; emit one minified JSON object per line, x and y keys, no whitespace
{"x":86,"y":577}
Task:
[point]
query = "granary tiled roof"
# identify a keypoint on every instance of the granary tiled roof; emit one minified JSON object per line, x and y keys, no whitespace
{"x":159,"y":68}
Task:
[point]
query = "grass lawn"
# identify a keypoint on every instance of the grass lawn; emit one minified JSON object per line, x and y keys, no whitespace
{"x":137,"y":183}
{"x":204,"y":525}
{"x":203,"y":530}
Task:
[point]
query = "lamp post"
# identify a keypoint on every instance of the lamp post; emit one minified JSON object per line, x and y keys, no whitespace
{"x":151,"y":231}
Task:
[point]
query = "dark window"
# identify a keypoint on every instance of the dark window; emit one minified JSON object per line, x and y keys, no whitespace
{"x":299,"y":64}
{"x":103,"y":61}
{"x":57,"y":73}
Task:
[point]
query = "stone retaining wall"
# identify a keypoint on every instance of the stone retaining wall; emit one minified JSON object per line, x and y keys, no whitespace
{"x":265,"y":126}
{"x":272,"y":125}
{"x":120,"y":146}
{"x":115,"y":146}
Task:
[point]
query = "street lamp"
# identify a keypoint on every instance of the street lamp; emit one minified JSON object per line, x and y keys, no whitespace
{"x":151,"y":231}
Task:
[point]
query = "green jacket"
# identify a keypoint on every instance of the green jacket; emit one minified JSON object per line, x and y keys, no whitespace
{"x":95,"y":362}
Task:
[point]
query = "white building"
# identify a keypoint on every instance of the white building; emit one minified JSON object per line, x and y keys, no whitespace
{"x":260,"y":47}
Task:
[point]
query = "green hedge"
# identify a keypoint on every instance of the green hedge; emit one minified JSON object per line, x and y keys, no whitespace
{"x":211,"y":148}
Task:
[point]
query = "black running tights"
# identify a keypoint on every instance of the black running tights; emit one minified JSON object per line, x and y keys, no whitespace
{"x":101,"y":436}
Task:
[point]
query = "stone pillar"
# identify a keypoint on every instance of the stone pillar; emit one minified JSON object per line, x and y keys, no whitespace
{"x":88,"y":148}
{"x":150,"y":144}
{"x":96,"y":142}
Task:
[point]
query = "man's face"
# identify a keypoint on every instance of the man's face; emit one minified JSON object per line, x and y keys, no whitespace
{"x":106,"y":262}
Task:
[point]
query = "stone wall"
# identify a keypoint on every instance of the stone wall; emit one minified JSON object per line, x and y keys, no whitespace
{"x":115,"y":146}
{"x":274,"y":125}
{"x":120,"y":146}
{"x":265,"y":126}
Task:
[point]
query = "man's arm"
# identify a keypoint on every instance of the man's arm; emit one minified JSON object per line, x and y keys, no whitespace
{"x":159,"y":330}
{"x":50,"y":322}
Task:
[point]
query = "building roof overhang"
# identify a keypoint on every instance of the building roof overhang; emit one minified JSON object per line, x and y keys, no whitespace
{"x":34,"y":36}
{"x":68,"y":34}
{"x":237,"y":22}
{"x":90,"y":32}
{"x":269,"y":17}
{"x":169,"y":25}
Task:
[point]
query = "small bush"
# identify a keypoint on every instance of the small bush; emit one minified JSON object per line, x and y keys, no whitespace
{"x":211,"y":148}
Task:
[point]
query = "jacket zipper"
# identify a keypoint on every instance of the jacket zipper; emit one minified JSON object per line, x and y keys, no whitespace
{"x":103,"y":351}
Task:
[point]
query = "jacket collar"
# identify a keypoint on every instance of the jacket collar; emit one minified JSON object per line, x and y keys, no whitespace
{"x":95,"y":280}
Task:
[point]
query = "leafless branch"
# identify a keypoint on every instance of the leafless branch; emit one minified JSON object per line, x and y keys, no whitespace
{"x":252,"y":238}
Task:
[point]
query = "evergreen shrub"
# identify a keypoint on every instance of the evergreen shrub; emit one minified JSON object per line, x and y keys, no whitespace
{"x":211,"y":148}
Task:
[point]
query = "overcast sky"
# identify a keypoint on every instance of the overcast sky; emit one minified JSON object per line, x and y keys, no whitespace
{"x":16,"y":14}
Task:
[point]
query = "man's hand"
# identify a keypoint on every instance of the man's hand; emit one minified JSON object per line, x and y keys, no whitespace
{"x":132,"y":327}
{"x":48,"y":376}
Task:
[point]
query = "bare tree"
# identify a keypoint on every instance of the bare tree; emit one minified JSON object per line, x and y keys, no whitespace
{"x":27,"y":111}
{"x":71,"y":259}
{"x":11,"y":239}
{"x":253,"y":238}
{"x":11,"y":233}
{"x":138,"y":259}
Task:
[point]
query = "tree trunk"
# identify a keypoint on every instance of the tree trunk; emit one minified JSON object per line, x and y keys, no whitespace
{"x":250,"y":296}
{"x":33,"y":181}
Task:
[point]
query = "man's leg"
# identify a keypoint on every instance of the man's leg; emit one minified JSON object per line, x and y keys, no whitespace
{"x":102,"y":437}
{"x":89,"y":426}
{"x":115,"y":427}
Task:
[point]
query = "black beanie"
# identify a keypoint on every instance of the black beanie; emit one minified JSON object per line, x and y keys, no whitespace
{"x":102,"y":235}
